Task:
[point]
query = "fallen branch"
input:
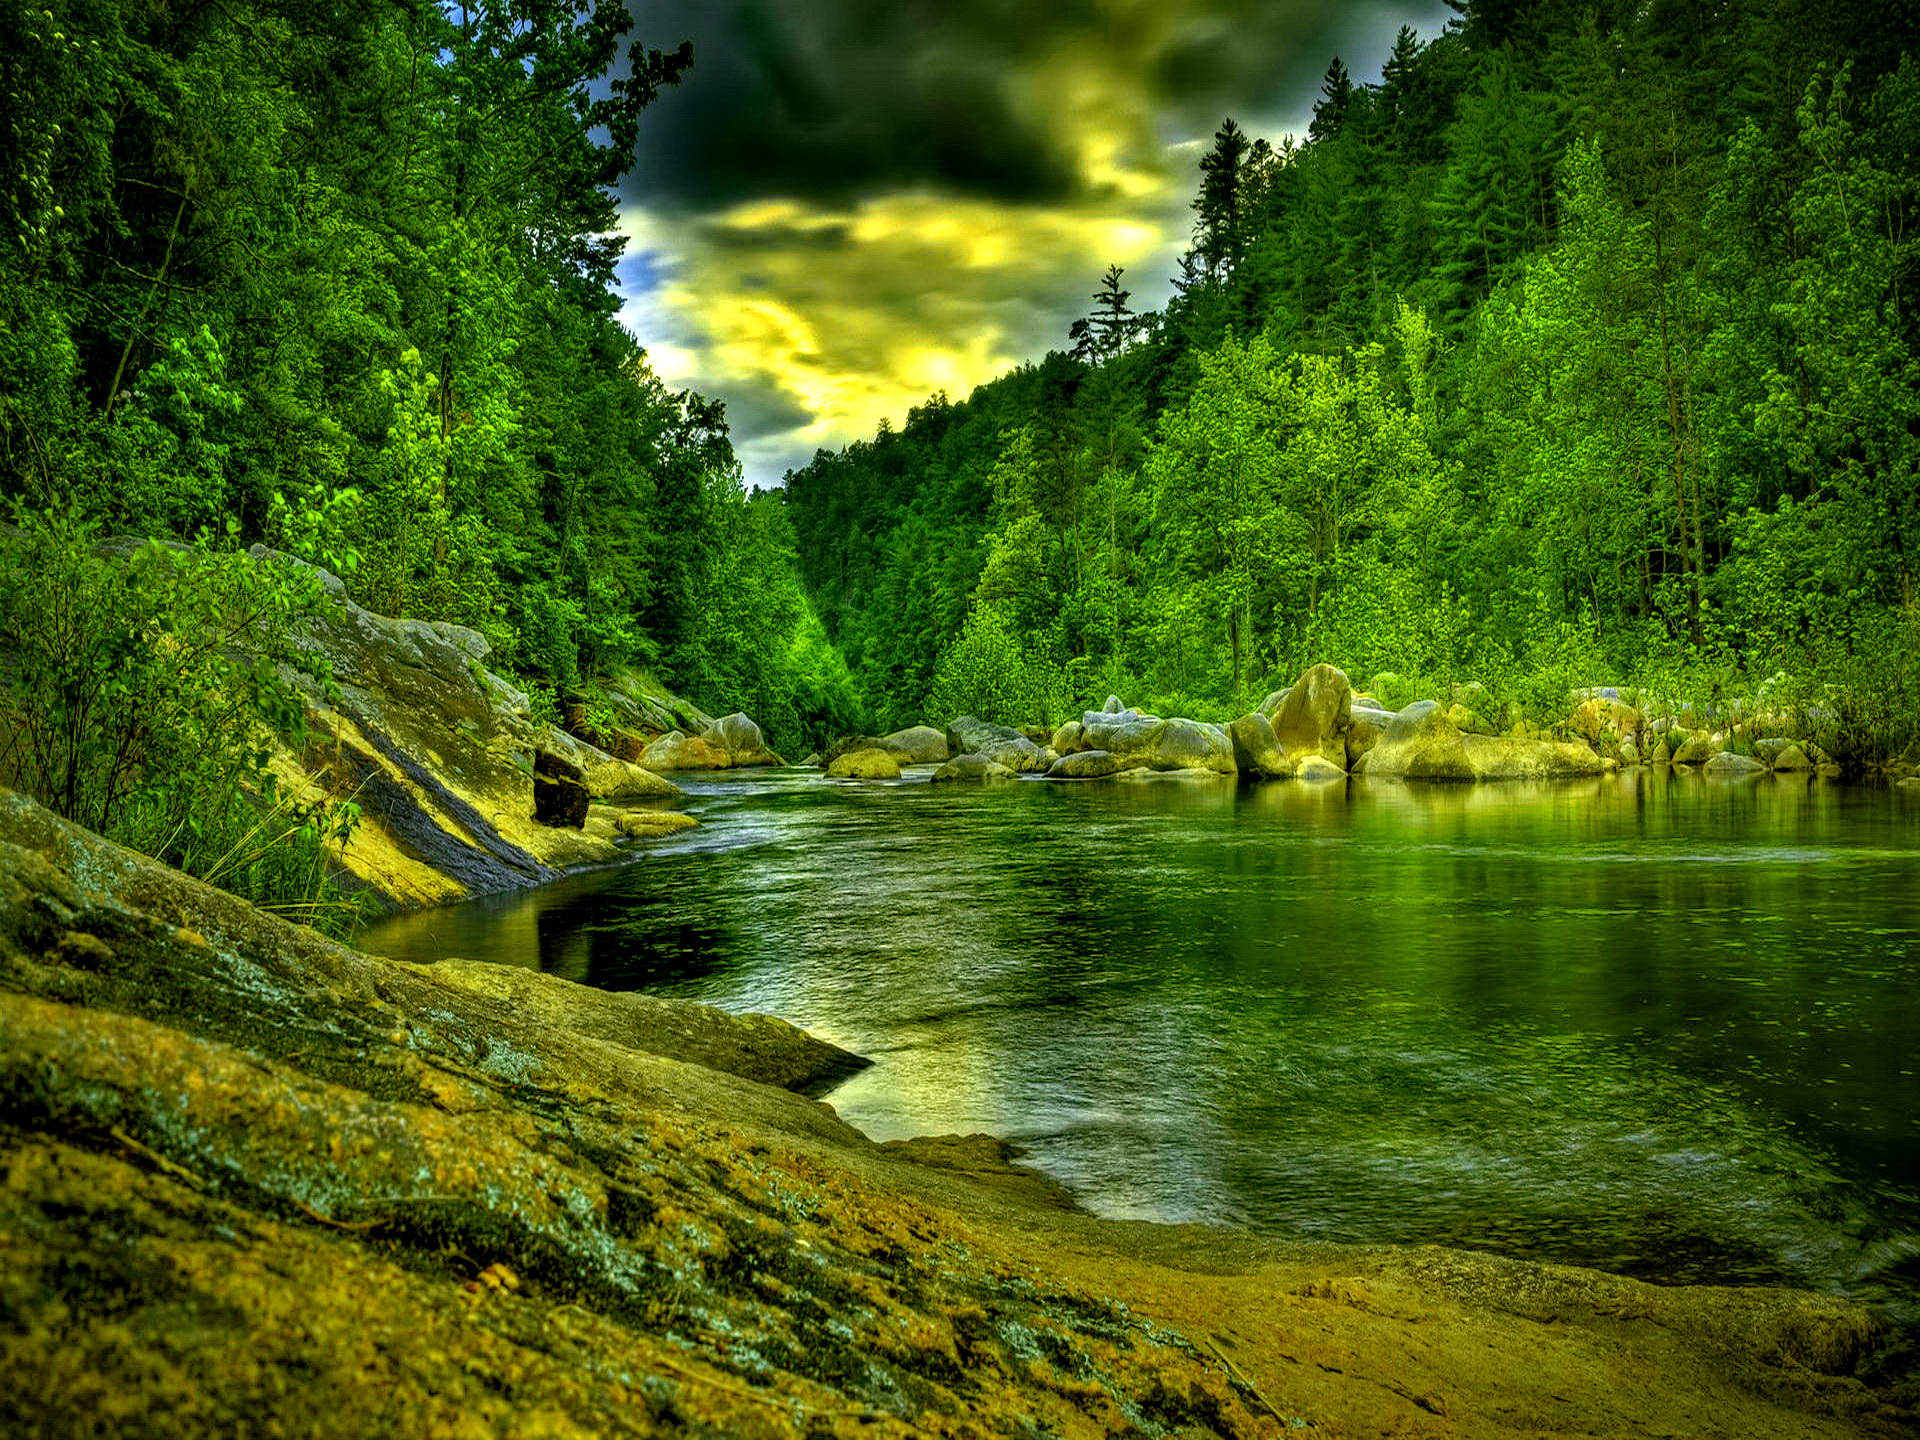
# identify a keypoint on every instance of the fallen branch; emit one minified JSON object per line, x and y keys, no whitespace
{"x":178,"y":1171}
{"x":1245,"y":1383}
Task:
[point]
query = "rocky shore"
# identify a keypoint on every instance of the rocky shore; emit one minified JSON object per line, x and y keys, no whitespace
{"x":1321,"y":728}
{"x":256,"y":1182}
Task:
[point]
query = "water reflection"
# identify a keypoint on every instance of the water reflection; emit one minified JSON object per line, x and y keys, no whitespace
{"x":1661,"y":1024}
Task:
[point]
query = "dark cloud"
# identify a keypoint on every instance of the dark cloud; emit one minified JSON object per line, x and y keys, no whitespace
{"x":850,"y":204}
{"x":757,"y":412}
{"x":828,"y":100}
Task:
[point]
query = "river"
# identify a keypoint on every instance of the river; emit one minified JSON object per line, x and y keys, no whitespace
{"x":1658,"y":1024}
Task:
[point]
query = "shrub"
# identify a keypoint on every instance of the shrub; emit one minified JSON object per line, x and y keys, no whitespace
{"x":141,"y":697}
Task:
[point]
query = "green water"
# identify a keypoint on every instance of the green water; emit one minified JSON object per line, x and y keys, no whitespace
{"x":1661,"y":1025}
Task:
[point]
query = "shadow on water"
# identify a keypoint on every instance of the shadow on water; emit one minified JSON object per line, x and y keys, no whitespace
{"x":1653,"y":1023}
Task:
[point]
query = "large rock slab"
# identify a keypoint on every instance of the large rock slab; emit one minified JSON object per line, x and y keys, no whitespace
{"x":436,"y":750}
{"x":251,"y":1173}
{"x":1314,"y":717}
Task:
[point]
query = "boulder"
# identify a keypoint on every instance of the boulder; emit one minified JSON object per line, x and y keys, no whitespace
{"x":1697,"y":749}
{"x":1001,"y":744}
{"x":1160,"y":744}
{"x":1367,"y":724}
{"x":653,"y":824}
{"x":1069,"y":738}
{"x":1113,"y":705}
{"x":917,"y":745}
{"x":1256,"y":749}
{"x":1318,"y":768}
{"x":1120,"y":731}
{"x":677,"y":750}
{"x":742,"y":741}
{"x":1421,"y":744}
{"x":869,"y":764}
{"x":1089,"y":765}
{"x":1792,"y":758}
{"x":613,"y":779}
{"x":1729,"y":766}
{"x":1271,"y":706}
{"x":1194,"y":745}
{"x":1315,"y":716}
{"x":973,"y":767}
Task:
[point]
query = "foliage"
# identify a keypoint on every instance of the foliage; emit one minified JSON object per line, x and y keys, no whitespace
{"x":143,"y":693}
{"x":1582,"y":348}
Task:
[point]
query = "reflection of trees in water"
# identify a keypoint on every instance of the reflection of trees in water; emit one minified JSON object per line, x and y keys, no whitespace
{"x":613,"y":939}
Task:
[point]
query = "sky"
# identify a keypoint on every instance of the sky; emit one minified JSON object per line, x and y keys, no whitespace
{"x":848,"y":205}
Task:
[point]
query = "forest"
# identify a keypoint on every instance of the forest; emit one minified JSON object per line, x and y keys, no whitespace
{"x":1579,"y":349}
{"x":338,"y":279}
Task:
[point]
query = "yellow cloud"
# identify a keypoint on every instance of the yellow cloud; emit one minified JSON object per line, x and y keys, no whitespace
{"x":856,"y":315}
{"x":847,"y":314}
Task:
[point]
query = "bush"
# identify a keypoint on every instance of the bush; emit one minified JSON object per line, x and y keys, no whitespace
{"x":142,"y":695}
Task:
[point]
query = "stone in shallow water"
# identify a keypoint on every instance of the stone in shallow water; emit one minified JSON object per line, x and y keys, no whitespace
{"x":973,"y":767}
{"x":871,"y":764}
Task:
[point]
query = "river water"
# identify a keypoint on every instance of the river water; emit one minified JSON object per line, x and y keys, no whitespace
{"x":1658,"y":1024}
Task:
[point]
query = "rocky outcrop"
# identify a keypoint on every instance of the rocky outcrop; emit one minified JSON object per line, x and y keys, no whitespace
{"x":917,"y":745}
{"x":436,"y":750}
{"x":868,"y":764}
{"x":257,"y":1181}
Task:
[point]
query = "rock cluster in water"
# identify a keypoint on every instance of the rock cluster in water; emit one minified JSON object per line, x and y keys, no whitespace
{"x":1320,"y":728}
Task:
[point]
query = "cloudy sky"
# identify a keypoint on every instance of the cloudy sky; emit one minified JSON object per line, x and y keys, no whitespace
{"x":850,"y":204}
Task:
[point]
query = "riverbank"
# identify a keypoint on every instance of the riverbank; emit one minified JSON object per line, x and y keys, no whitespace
{"x":254,"y":1174}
